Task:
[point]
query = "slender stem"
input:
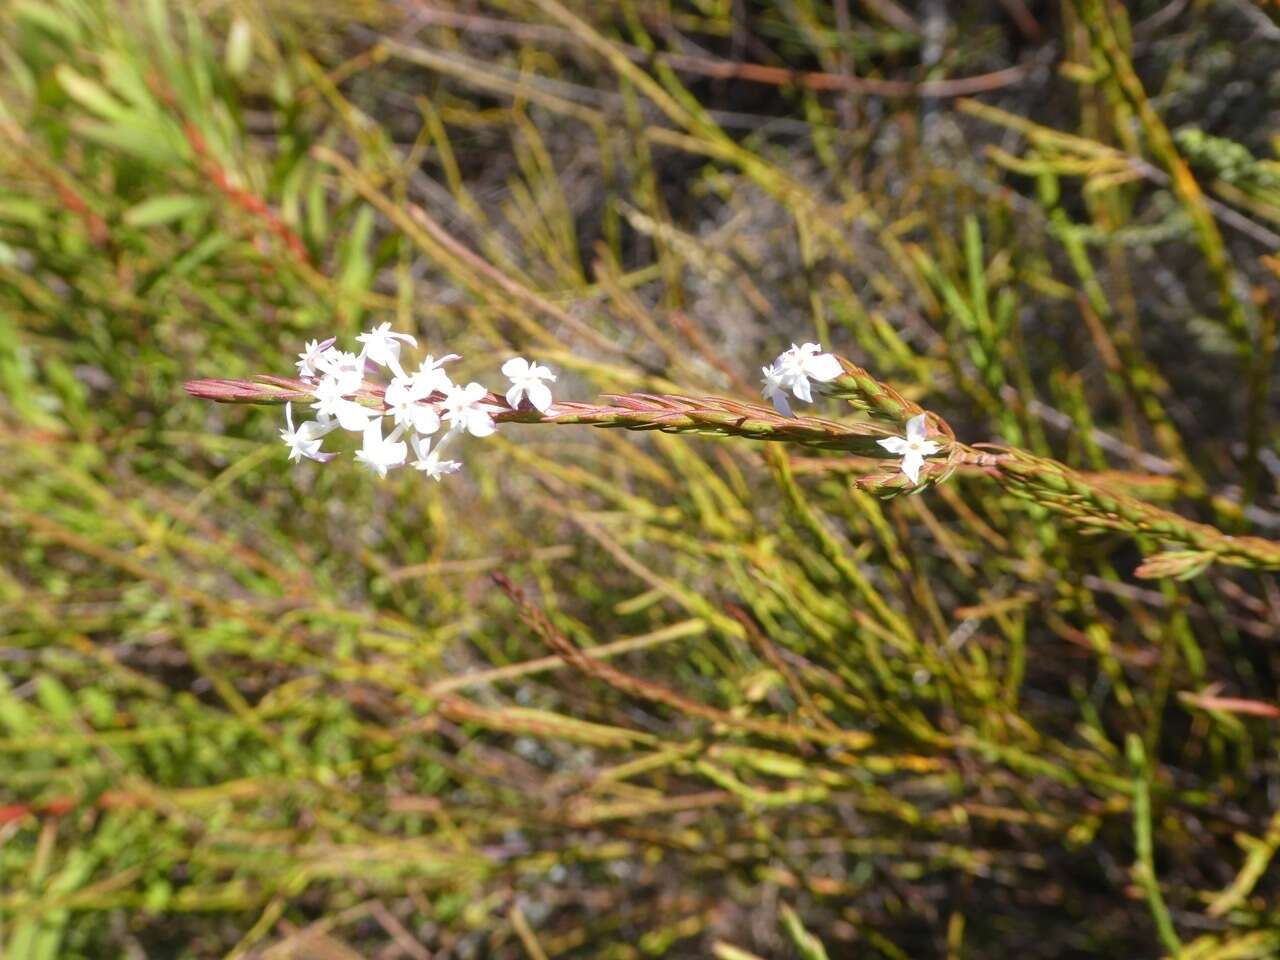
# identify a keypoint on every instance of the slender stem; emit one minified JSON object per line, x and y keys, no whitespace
{"x":1145,"y":869}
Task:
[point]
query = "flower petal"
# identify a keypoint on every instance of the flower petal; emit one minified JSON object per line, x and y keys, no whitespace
{"x":393,"y":364}
{"x":916,"y":427}
{"x":540,"y":396}
{"x":801,"y":389}
{"x":479,"y":423}
{"x":911,"y":464}
{"x":425,"y":419}
{"x":893,"y":444}
{"x":352,"y":416}
{"x":515,"y":367}
{"x":313,"y":431}
{"x":514,"y":396}
{"x":823,"y":367}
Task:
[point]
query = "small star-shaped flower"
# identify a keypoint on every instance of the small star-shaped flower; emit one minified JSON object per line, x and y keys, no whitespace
{"x":431,"y":376}
{"x":346,"y":370}
{"x":331,"y":402}
{"x":429,"y":461}
{"x":913,"y":447}
{"x":406,"y":402}
{"x":380,"y":453}
{"x":793,"y":369}
{"x":775,"y":390}
{"x":382,"y":345}
{"x":465,"y":409}
{"x":304,"y":441}
{"x":527,"y":381}
{"x":311,"y":360}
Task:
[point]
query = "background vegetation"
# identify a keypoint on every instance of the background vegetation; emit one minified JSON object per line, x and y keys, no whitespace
{"x":249,"y":709}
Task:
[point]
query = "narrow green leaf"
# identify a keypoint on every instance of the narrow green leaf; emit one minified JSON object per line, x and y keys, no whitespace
{"x":809,"y":946}
{"x":90,"y":94}
{"x":239,"y":52}
{"x":165,"y":208}
{"x":147,"y":142}
{"x":45,"y":16}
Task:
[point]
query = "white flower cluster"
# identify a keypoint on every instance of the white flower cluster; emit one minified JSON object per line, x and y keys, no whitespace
{"x":418,"y":404}
{"x":793,"y":369}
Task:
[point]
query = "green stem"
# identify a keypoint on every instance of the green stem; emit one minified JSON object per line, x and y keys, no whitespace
{"x":1145,"y":869}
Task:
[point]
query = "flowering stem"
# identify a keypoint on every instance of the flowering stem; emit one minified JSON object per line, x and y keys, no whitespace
{"x":715,"y":416}
{"x":1046,"y":482}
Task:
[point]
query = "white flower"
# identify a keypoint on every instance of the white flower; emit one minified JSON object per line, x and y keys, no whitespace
{"x":775,"y":390}
{"x":526,"y":381}
{"x":913,"y":447}
{"x":309,"y":360}
{"x":379,"y":454}
{"x":405,"y":402}
{"x":305,"y":440}
{"x":330,"y":402}
{"x":793,"y":369}
{"x":430,"y":377}
{"x":465,"y":409}
{"x":429,"y":461}
{"x":346,"y":370}
{"x":798,"y":365}
{"x":382,"y":345}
